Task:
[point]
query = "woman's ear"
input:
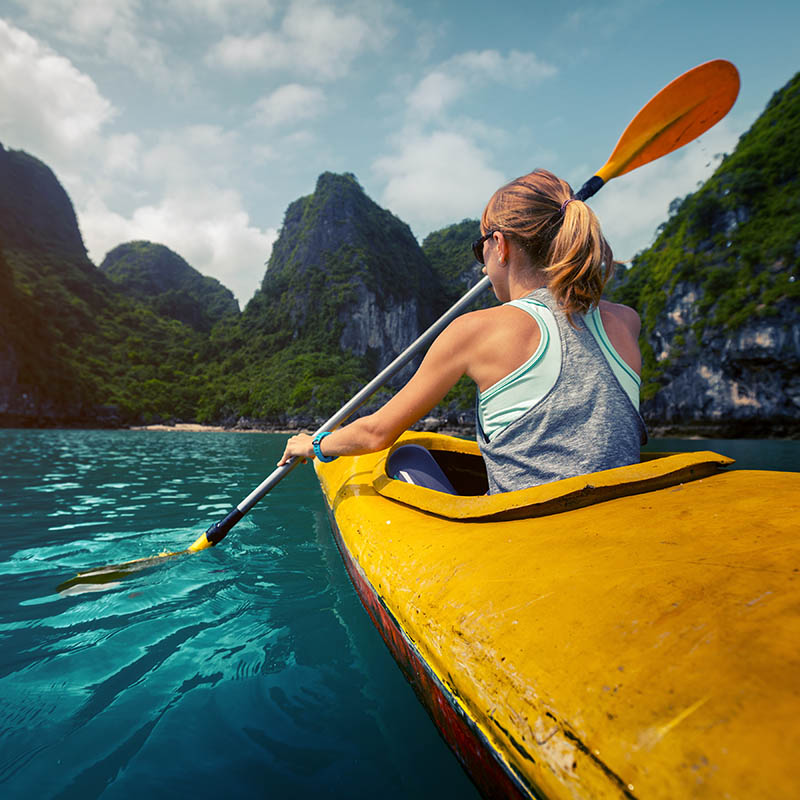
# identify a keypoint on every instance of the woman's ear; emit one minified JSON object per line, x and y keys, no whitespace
{"x":502,"y":248}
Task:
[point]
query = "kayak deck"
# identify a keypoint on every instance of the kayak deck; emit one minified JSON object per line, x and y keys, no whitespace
{"x":642,"y":645}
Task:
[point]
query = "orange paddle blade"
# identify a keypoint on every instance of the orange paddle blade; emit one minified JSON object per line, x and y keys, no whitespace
{"x":679,"y":113}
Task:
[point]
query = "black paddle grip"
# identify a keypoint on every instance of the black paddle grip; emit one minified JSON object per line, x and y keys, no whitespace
{"x":592,"y":186}
{"x":219,"y":530}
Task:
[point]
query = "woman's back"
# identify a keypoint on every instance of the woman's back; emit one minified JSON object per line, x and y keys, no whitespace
{"x":585,"y":423}
{"x":509,"y":336}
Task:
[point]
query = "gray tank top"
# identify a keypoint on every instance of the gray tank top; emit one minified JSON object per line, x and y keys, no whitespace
{"x":585,"y":423}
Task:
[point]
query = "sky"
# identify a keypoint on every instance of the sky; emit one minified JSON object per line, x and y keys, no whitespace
{"x":195,"y":123}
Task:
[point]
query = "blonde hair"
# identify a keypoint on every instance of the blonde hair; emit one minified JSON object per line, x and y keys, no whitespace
{"x":561,"y":235}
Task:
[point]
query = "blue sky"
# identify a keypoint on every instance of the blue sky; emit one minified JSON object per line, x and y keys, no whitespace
{"x":194,"y":123}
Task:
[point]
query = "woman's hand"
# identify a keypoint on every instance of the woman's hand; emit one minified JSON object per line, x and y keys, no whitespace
{"x":298,"y":446}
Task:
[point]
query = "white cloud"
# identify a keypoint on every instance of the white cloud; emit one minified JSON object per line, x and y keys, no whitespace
{"x":86,"y":20}
{"x":439,"y":172}
{"x":46,"y":105}
{"x":122,"y":153}
{"x":175,"y":187}
{"x":517,"y":68}
{"x":224,"y":12}
{"x":119,"y":30}
{"x":290,"y":103}
{"x":188,"y":207}
{"x":632,"y":206}
{"x":455,"y":77}
{"x":434,"y":93}
{"x":313,"y":39}
{"x":437,"y":178}
{"x":183,"y":158}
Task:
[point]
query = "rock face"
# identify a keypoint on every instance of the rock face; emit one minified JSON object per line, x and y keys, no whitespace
{"x":740,"y":383}
{"x":347,"y":274}
{"x":156,"y":275}
{"x":369,"y":328}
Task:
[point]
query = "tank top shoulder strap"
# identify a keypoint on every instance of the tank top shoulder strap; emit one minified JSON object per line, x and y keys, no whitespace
{"x":628,"y":379}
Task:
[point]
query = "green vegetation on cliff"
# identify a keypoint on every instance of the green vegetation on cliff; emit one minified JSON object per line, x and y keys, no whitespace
{"x":159,"y":277}
{"x":74,"y":342}
{"x":736,"y":240}
{"x":298,"y":346}
{"x":449,"y":251}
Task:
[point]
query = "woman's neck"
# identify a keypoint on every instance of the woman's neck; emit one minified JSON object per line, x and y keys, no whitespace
{"x":521,"y":282}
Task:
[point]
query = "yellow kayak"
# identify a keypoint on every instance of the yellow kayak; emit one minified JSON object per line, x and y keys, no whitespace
{"x":629,"y":633}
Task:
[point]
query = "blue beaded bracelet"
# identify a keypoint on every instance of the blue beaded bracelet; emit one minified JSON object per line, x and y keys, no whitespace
{"x":317,"y":452}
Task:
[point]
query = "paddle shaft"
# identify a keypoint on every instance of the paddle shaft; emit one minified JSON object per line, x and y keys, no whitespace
{"x":219,"y":530}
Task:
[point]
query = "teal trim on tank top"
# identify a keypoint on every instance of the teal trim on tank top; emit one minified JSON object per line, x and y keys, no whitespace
{"x":628,"y":379}
{"x":520,"y":390}
{"x":523,"y":388}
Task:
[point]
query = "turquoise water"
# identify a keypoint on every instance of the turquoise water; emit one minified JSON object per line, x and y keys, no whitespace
{"x":770,"y":454}
{"x":248,"y":670}
{"x":244,"y":671}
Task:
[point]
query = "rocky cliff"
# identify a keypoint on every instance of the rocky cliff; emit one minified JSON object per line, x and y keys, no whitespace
{"x":719,"y":291}
{"x":35,"y":212}
{"x":717,"y":381}
{"x":345,"y":270}
{"x":73,"y":349}
{"x":45,"y":284}
{"x":347,"y":288}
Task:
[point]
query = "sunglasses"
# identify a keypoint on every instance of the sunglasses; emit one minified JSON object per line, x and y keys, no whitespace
{"x":477,"y":246}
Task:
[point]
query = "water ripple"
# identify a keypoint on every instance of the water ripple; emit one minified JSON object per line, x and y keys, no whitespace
{"x":119,"y":691}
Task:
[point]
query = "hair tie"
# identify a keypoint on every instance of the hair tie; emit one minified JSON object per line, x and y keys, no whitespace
{"x":565,"y":204}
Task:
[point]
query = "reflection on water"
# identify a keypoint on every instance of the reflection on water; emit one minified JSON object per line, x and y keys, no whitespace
{"x":248,"y":668}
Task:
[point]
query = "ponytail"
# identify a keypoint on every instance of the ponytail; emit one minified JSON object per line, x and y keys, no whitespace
{"x":579,"y":260}
{"x":561,"y":235}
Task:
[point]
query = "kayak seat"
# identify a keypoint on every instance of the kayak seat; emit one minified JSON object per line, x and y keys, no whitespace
{"x":414,"y":464}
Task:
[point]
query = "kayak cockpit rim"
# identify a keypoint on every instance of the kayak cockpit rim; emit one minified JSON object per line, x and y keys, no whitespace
{"x":656,"y":471}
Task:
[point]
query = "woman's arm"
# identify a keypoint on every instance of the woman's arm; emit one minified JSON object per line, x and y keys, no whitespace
{"x":445,"y":362}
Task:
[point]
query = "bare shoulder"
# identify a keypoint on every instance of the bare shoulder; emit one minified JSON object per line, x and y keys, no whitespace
{"x":618,"y":314}
{"x":479,"y":323}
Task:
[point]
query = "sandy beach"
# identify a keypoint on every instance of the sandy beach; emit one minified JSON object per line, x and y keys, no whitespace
{"x":194,"y":427}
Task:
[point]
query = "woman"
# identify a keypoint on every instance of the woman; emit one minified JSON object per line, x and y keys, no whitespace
{"x":557,"y":368}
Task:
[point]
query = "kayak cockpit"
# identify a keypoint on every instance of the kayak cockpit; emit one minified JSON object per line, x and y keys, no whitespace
{"x":462,"y":463}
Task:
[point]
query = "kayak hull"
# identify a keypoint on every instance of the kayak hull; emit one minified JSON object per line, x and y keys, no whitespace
{"x":619,"y":646}
{"x":465,"y":740}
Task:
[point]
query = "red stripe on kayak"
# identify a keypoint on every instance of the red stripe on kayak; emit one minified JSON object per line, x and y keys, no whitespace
{"x":492,"y":776}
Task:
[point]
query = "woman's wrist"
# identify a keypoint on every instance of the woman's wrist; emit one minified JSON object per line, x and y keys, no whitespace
{"x":316,"y":447}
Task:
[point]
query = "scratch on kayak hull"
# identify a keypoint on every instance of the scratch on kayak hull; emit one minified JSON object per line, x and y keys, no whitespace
{"x":653,"y":736}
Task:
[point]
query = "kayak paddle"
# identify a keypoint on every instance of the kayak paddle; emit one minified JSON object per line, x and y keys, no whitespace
{"x":683,"y":110}
{"x":679,"y":113}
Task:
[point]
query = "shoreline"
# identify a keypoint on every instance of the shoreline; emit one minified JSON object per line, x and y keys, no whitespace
{"x":193,"y":427}
{"x":779,"y":431}
{"x":463,"y":433}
